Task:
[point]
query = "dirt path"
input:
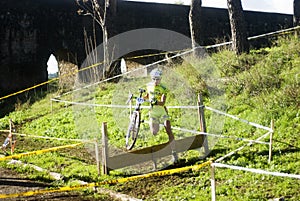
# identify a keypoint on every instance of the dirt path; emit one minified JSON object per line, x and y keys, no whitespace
{"x":12,"y":182}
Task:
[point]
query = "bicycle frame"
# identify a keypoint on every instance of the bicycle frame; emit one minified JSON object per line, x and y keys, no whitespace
{"x":135,"y":120}
{"x":139,"y":101}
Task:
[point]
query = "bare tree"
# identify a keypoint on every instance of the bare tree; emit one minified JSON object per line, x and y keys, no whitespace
{"x":195,"y":22}
{"x":240,"y":41}
{"x":101,"y":14}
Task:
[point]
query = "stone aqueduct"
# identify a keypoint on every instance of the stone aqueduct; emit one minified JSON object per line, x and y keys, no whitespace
{"x":31,"y":30}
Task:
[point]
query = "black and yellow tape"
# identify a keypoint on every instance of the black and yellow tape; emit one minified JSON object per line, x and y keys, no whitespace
{"x":281,"y":32}
{"x":114,"y":181}
{"x":82,"y":69}
{"x":39,"y":151}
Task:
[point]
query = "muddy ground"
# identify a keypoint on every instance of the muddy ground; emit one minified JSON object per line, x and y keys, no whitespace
{"x":12,"y":183}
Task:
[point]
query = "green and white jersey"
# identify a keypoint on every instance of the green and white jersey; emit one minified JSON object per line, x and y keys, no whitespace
{"x":156,"y":92}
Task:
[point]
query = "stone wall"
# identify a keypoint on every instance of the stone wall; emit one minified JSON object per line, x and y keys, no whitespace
{"x":31,"y":30}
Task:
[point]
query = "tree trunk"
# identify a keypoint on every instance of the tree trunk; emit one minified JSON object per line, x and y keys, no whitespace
{"x":296,"y":18}
{"x":106,"y":63}
{"x":103,"y":12}
{"x":195,"y":23}
{"x":240,"y":42}
{"x":109,"y":31}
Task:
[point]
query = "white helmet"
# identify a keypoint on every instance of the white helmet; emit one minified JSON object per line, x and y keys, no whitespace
{"x":156,"y":73}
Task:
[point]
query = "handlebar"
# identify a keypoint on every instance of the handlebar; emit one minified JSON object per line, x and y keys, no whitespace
{"x":139,"y":99}
{"x":142,"y":90}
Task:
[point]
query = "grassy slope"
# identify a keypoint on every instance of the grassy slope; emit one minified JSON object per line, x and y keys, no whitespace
{"x":261,"y":86}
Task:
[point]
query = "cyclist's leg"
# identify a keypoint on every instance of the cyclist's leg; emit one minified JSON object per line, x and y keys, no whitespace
{"x":168,"y":128}
{"x":167,"y":125}
{"x":154,"y":126}
{"x":154,"y":115}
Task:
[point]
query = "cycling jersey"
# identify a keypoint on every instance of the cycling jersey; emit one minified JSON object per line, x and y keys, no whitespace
{"x":158,"y":113}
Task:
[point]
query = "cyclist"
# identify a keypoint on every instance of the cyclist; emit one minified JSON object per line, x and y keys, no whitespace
{"x":157,"y":94}
{"x":11,"y":138}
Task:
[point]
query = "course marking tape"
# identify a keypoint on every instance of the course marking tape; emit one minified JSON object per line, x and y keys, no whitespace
{"x":219,"y":135}
{"x":27,"y":89}
{"x":114,"y":181}
{"x":181,"y":107}
{"x":128,"y":72}
{"x":242,"y":147}
{"x":182,"y":129}
{"x":53,"y":138}
{"x":279,"y":174}
{"x":239,"y":119}
{"x":285,"y":31}
{"x":39,"y":151}
{"x":117,"y":106}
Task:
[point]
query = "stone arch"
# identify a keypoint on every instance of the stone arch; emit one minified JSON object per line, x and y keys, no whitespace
{"x":67,"y":68}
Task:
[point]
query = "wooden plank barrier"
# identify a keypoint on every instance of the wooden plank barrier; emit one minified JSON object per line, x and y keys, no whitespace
{"x":152,"y":153}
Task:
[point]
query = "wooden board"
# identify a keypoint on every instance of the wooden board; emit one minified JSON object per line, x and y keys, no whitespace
{"x":151,"y":153}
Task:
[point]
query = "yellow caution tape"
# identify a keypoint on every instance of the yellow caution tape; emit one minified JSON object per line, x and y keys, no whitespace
{"x":35,"y":86}
{"x":39,"y":151}
{"x":286,"y":31}
{"x":73,"y":73}
{"x":114,"y":181}
{"x":51,"y":138}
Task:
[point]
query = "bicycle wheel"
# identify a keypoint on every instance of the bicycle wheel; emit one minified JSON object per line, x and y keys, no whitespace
{"x":133,"y":130}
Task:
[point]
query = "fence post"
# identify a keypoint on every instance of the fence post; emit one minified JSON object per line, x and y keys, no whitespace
{"x":105,"y":169}
{"x":51,"y":106}
{"x":271,"y":141}
{"x":202,"y":122}
{"x":10,"y":135}
{"x":97,"y":155}
{"x":213,"y":182}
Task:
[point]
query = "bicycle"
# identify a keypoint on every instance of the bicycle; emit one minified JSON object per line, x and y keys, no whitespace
{"x":135,"y":120}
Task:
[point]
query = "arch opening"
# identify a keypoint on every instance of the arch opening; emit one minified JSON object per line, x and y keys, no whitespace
{"x":52,"y":67}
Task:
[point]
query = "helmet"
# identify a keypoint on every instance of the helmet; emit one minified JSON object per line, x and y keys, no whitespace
{"x":157,"y":73}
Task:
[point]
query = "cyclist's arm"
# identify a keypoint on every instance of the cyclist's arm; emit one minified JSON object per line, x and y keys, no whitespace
{"x":146,"y":97}
{"x":162,"y":100}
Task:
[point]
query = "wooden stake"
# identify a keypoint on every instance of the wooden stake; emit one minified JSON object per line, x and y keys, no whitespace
{"x":97,"y":156}
{"x":51,"y":106}
{"x":105,"y":169}
{"x":202,"y":122}
{"x":13,"y":139}
{"x":213,"y":182}
{"x":271,"y":141}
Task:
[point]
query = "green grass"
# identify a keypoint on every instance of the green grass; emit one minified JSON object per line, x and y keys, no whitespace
{"x":261,"y":86}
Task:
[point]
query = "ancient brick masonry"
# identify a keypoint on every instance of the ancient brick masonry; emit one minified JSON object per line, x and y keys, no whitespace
{"x":32,"y":30}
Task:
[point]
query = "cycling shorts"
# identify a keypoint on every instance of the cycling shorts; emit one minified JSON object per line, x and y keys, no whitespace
{"x":158,"y":114}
